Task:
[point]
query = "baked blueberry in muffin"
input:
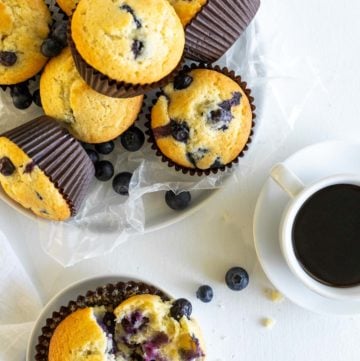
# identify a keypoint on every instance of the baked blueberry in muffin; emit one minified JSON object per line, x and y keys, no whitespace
{"x":202,"y":120}
{"x":24,"y":25}
{"x":90,"y":116}
{"x":132,"y":41}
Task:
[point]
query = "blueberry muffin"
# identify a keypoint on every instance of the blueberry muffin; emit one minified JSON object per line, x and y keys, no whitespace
{"x":202,"y":120}
{"x":187,"y":9}
{"x":143,"y":327}
{"x":67,"y":6}
{"x":137,"y":42}
{"x":89,"y":116}
{"x":148,"y":328}
{"x":24,"y":25}
{"x":44,"y":169}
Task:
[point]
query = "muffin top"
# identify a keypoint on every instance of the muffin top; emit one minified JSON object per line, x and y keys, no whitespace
{"x":24,"y":25}
{"x":187,"y":9}
{"x":67,"y":5}
{"x":145,"y":328}
{"x":90,"y":116}
{"x":132,"y":41}
{"x":203,"y":120}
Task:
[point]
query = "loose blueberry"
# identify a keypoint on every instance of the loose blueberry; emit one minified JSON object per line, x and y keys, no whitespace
{"x":37,"y":98}
{"x":237,"y":278}
{"x":137,"y":47}
{"x":179,"y":201}
{"x":182,"y":81}
{"x":92,"y":155}
{"x":7,"y":168}
{"x":51,"y":47}
{"x":205,"y":293}
{"x":121,"y":183}
{"x":104,"y":170}
{"x":21,"y":96}
{"x":105,"y":148}
{"x":180,"y":308}
{"x":133,"y":139}
{"x":86,"y":145}
{"x":180,"y":131}
{"x":7,"y":58}
{"x":59,"y":33}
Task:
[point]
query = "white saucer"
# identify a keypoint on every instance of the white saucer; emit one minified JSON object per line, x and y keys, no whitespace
{"x":309,"y":164}
{"x":70,"y":293}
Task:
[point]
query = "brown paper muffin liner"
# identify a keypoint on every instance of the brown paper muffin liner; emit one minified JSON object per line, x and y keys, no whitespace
{"x":110,"y":87}
{"x":110,"y":295}
{"x":60,"y":156}
{"x":216,"y":27}
{"x":196,"y":171}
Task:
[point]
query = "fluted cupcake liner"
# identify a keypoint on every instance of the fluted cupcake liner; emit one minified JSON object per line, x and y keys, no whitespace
{"x":110,"y":296}
{"x":59,"y":155}
{"x":196,"y":171}
{"x":216,"y":27}
{"x":110,"y":87}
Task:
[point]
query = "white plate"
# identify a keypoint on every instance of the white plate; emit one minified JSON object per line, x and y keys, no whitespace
{"x":310,"y":164}
{"x":68,"y":294}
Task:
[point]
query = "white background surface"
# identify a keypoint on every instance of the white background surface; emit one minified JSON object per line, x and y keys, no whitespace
{"x":323,"y":35}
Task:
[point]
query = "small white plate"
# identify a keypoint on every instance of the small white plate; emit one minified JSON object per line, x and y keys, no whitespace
{"x":309,"y":164}
{"x":71,"y":293}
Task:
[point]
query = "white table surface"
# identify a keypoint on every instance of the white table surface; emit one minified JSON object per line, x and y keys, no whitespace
{"x":323,"y":35}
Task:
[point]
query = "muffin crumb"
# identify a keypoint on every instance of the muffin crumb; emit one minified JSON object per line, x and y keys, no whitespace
{"x":268,"y":322}
{"x":274,"y":295}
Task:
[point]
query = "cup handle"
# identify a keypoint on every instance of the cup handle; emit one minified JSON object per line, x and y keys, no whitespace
{"x":287,"y":180}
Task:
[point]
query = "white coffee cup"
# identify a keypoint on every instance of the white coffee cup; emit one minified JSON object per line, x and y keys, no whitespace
{"x":298,"y":194}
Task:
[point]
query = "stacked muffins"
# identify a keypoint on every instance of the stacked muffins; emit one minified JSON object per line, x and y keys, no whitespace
{"x":93,"y":90}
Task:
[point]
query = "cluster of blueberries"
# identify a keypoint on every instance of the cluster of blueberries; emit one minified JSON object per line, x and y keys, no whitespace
{"x":236,"y":279}
{"x":132,"y":140}
{"x":52,"y":46}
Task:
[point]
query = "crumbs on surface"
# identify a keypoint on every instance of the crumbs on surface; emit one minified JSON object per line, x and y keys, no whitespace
{"x":274,"y":295}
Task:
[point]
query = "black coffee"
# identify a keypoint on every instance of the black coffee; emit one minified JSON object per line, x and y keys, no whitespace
{"x":326,"y":235}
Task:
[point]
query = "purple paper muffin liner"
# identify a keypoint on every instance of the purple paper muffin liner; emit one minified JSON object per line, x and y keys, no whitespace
{"x":59,"y":155}
{"x":110,"y":87}
{"x":110,"y":296}
{"x":216,"y":27}
{"x":196,"y":171}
